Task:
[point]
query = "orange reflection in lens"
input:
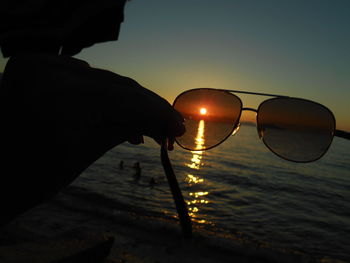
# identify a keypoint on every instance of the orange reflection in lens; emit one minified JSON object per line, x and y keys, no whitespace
{"x":217,"y":110}
{"x":215,"y":105}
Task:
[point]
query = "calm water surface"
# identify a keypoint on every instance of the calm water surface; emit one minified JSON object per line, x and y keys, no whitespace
{"x":242,"y":188}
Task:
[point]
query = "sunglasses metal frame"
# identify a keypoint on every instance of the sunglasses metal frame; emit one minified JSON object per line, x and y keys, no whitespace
{"x":235,"y":125}
{"x":181,"y":207}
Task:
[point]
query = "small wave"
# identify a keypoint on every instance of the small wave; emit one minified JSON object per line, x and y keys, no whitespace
{"x":80,"y":198}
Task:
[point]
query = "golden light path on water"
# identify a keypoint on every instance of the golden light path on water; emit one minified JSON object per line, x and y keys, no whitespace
{"x":197,"y":198}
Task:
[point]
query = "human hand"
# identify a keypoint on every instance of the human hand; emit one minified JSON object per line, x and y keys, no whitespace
{"x":146,"y":113}
{"x":84,"y":112}
{"x":96,"y":97}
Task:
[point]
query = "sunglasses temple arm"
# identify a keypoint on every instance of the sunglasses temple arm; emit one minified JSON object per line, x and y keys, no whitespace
{"x":342,"y":134}
{"x":180,"y":204}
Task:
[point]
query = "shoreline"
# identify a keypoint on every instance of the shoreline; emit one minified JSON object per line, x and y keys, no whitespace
{"x":137,"y":238}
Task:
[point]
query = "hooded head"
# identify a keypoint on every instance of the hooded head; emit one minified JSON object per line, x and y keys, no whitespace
{"x":52,"y":25}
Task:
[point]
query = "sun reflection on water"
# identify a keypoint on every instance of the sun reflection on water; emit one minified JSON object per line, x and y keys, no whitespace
{"x":197,"y":198}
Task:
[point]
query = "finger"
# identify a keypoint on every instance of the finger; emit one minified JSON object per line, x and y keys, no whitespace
{"x":171,"y":141}
{"x":176,"y":127}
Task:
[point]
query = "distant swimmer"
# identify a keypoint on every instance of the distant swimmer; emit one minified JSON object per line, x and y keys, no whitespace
{"x":152,"y":182}
{"x":138,"y":169}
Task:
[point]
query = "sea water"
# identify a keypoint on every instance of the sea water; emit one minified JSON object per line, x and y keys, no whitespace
{"x":239,"y":187}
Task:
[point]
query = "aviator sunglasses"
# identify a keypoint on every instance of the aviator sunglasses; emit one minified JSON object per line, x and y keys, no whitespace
{"x":294,"y":129}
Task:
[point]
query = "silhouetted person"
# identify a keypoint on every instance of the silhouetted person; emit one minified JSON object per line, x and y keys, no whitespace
{"x":152,"y":181}
{"x":121,"y":165}
{"x":137,"y":165}
{"x":58,"y":114}
{"x":137,"y":168}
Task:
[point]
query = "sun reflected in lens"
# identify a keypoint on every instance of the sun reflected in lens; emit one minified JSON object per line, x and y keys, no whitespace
{"x":218,"y":109}
{"x":203,"y":111}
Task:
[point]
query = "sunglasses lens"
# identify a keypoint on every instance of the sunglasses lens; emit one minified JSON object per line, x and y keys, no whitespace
{"x":210,"y":117}
{"x":296,"y":129}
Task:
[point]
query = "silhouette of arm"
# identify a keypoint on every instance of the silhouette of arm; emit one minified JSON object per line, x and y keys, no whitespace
{"x":59,"y":115}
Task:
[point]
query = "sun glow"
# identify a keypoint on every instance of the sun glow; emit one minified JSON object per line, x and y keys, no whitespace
{"x":203,"y":111}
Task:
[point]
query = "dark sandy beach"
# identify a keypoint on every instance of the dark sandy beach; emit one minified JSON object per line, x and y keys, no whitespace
{"x":55,"y":231}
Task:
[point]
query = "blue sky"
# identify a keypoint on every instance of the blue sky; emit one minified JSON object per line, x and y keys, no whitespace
{"x":299,"y":48}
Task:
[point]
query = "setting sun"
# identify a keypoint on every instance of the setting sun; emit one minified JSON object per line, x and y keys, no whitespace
{"x":203,"y":111}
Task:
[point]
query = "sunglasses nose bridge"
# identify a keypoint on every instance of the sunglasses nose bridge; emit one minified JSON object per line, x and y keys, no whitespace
{"x":260,"y":131}
{"x":250,"y":109}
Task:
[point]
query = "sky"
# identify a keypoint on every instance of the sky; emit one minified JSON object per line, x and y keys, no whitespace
{"x":299,"y":48}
